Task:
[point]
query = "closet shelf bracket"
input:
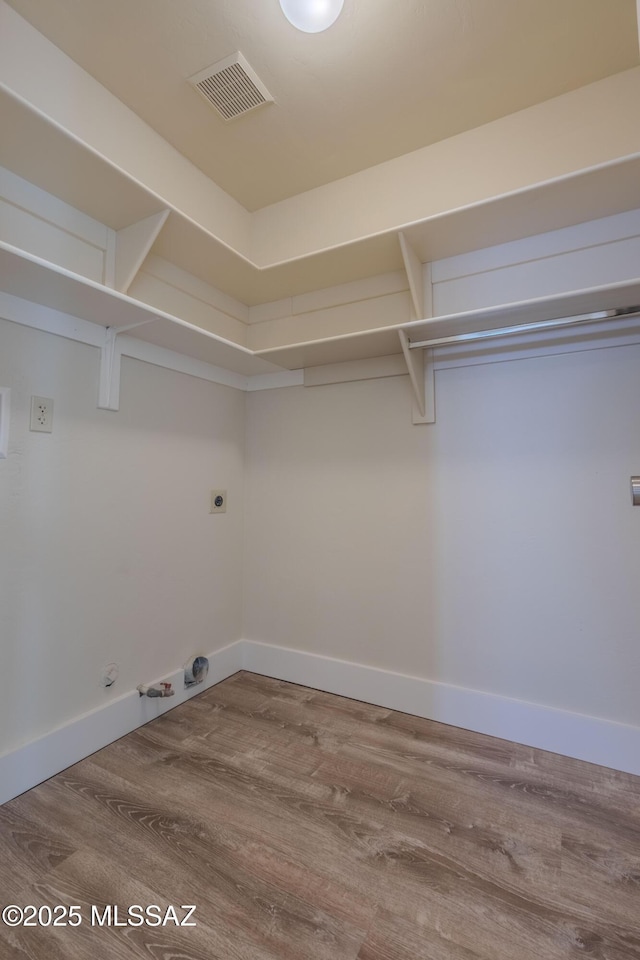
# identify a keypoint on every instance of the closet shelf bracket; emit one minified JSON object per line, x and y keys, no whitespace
{"x":421,"y":374}
{"x":128,"y":249}
{"x":419,"y":362}
{"x":110,"y":363}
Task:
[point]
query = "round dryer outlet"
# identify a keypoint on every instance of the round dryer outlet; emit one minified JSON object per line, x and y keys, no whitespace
{"x":195,"y":670}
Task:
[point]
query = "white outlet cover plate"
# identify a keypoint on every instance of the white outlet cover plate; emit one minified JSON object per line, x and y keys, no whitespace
{"x":41,"y":415}
{"x":223,"y":506}
{"x":5,"y":393}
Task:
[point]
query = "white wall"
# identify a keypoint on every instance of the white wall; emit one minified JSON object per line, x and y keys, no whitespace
{"x":108,"y":550}
{"x":496,"y":549}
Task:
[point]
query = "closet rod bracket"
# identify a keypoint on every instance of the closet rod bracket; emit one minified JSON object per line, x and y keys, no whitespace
{"x":422,"y":378}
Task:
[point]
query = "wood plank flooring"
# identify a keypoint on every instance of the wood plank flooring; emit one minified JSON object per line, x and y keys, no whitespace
{"x":305,"y":826}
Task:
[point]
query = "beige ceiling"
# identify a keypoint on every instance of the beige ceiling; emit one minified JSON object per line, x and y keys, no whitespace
{"x":389,"y":77}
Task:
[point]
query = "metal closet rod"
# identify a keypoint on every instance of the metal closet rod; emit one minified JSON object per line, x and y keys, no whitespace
{"x":525,"y":327}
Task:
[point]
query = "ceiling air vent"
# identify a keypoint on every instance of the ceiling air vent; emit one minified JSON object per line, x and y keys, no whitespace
{"x":232,"y":87}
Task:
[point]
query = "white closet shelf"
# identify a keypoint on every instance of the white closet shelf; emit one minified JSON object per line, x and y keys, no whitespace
{"x":385,"y":341}
{"x":563,"y":202}
{"x":363,"y":345}
{"x":39,"y":281}
{"x":33,"y":279}
{"x":192,"y":248}
{"x":42,"y":152}
{"x":620,"y":296}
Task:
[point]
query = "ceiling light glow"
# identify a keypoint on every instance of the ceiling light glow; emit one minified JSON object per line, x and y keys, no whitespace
{"x":311,"y":16}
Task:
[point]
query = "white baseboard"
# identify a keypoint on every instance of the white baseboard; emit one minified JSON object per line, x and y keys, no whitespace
{"x":37,"y":761}
{"x":604,"y":742}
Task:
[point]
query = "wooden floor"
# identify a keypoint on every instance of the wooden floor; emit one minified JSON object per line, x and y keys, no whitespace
{"x":305,"y":826}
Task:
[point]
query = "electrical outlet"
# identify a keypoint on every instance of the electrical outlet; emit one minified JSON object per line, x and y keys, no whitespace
{"x":218,"y":501}
{"x":41,"y":415}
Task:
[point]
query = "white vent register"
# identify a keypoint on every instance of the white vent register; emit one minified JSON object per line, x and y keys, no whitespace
{"x":232,"y":87}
